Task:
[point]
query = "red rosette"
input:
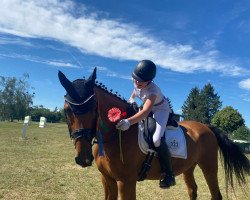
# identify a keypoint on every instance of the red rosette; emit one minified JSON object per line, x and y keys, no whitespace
{"x":115,"y":114}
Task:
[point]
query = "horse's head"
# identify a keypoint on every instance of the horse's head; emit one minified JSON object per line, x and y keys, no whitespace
{"x":81,"y":114}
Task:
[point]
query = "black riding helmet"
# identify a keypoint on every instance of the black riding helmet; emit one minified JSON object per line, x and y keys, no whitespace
{"x":144,"y":71}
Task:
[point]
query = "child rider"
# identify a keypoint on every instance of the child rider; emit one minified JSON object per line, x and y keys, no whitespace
{"x":155,"y":102}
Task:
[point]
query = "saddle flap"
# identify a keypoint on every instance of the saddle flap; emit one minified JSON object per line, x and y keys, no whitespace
{"x":149,"y":127}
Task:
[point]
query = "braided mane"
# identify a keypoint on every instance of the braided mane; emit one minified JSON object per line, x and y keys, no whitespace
{"x":113,"y":95}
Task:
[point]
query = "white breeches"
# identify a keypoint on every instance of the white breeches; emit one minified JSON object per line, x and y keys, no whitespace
{"x":161,"y":117}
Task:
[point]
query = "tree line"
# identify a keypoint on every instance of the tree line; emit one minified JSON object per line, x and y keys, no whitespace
{"x":16,"y":101}
{"x":205,"y":106}
{"x":202,"y":105}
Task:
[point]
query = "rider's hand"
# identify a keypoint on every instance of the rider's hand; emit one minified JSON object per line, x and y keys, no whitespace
{"x":124,"y":124}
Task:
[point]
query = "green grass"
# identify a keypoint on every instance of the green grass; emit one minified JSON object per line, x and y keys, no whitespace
{"x":42,"y":167}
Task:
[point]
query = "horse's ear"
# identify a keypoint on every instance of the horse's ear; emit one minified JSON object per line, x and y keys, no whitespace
{"x":64,"y":81}
{"x":92,"y":77}
{"x":67,"y":84}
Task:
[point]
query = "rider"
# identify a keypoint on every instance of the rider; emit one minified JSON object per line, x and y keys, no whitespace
{"x":155,"y":102}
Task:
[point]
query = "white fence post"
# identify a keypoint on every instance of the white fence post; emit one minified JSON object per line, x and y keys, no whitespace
{"x":42,"y":122}
{"x":26,"y":122}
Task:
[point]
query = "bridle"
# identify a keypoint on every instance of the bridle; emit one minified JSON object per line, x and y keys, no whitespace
{"x":79,"y":109}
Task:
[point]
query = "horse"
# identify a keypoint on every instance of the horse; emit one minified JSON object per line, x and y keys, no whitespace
{"x":86,"y":107}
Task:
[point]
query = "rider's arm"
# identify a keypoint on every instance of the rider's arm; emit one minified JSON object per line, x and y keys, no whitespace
{"x":132,"y":97}
{"x":142,"y":114}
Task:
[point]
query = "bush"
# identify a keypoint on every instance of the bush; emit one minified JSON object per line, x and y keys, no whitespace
{"x":228,"y":119}
{"x":242,"y":133}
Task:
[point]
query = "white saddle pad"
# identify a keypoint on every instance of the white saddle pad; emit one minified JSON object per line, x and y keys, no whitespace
{"x":175,"y":140}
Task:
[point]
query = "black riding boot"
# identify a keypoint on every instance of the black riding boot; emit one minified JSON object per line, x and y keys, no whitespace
{"x":166,"y":165}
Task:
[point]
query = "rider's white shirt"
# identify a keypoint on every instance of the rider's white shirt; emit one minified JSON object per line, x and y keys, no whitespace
{"x":150,"y":89}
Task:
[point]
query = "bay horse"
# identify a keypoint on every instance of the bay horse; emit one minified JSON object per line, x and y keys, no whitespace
{"x":86,"y":106}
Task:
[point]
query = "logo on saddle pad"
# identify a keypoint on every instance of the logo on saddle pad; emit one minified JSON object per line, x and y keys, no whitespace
{"x":174,"y":138}
{"x":173,"y":144}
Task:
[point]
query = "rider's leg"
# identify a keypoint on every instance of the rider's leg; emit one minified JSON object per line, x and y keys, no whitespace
{"x":166,"y":165}
{"x":162,"y":150}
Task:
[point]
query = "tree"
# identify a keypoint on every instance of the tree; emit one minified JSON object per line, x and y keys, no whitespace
{"x":201,"y":105}
{"x":15,"y":98}
{"x":212,"y":102}
{"x":38,"y":111}
{"x":62,"y":115}
{"x":228,"y":119}
{"x":193,"y":107}
{"x":52,"y":116}
{"x":242,"y":133}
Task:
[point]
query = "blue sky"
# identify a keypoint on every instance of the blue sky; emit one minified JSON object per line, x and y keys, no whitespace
{"x":192,"y":43}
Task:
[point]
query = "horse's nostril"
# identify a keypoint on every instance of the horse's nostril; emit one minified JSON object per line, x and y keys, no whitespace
{"x":78,"y":161}
{"x":88,"y":162}
{"x":83,"y":163}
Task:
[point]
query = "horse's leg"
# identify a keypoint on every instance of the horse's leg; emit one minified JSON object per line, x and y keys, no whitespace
{"x":110,"y":188}
{"x":127,"y":190}
{"x":209,"y":167}
{"x":190,"y":183}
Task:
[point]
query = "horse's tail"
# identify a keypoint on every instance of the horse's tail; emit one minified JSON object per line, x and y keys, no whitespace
{"x":235,"y":161}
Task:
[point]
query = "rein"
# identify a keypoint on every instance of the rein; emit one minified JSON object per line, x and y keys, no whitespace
{"x":113,"y":136}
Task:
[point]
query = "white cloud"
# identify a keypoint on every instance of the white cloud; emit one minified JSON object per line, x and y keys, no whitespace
{"x":61,"y":64}
{"x":57,"y":63}
{"x":110,"y":73}
{"x":7,"y":40}
{"x":58,"y":20}
{"x":245,"y":84}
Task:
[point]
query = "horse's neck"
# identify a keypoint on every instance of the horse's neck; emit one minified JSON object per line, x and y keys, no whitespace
{"x":116,"y":147}
{"x":106,"y":101}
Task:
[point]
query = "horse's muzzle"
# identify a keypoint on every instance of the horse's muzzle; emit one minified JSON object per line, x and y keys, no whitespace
{"x":84,"y":162}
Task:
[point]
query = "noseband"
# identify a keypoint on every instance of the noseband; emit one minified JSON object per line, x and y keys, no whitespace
{"x":80,"y":109}
{"x":84,"y":133}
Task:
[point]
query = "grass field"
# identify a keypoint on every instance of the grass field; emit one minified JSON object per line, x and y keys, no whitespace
{"x":42,"y":167}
